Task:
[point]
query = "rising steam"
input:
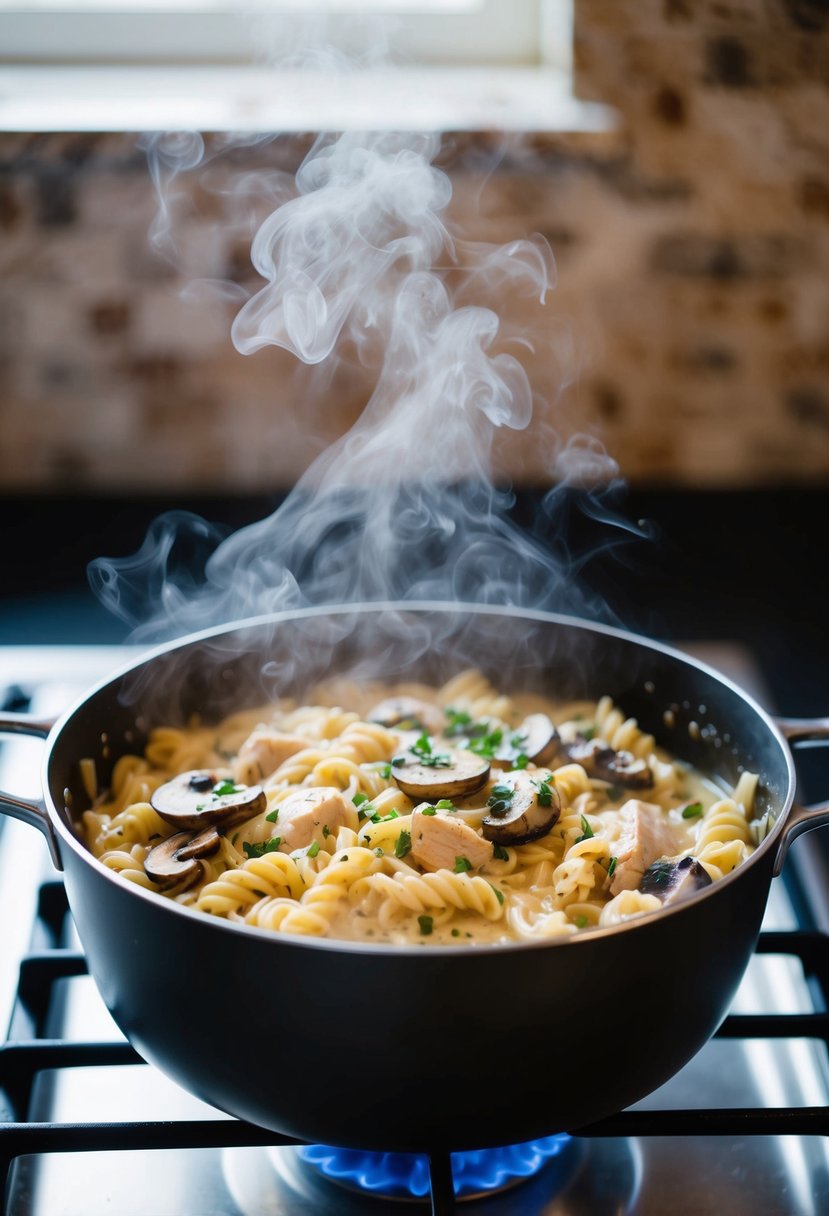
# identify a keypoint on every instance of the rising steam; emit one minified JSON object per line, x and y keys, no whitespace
{"x":362,"y":258}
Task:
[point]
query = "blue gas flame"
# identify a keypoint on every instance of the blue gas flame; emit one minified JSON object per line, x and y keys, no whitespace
{"x":406,"y":1175}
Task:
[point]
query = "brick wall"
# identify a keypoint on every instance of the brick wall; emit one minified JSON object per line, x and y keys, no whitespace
{"x":688,"y":327}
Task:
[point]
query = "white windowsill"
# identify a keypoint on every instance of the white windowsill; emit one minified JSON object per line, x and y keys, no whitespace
{"x":40,"y":99}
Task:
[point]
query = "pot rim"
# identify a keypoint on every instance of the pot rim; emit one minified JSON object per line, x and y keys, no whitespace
{"x":69,"y":839}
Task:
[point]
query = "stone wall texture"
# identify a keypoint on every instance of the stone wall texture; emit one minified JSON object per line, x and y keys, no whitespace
{"x":687,"y":331}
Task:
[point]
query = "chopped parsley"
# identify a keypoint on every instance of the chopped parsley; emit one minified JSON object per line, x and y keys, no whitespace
{"x":222,"y":789}
{"x":545,"y":791}
{"x":614,"y":792}
{"x":259,"y":850}
{"x":581,"y":922}
{"x":456,"y":932}
{"x":445,"y":804}
{"x":426,"y":924}
{"x":384,"y":769}
{"x":586,"y":831}
{"x":692,"y":811}
{"x":314,"y":848}
{"x":500,"y":799}
{"x":428,"y":810}
{"x":499,"y":895}
{"x":398,"y":762}
{"x":403,"y":844}
{"x":364,"y":807}
{"x":422,"y":748}
{"x":589,"y":733}
{"x":500,"y":853}
{"x":326,"y":831}
{"x":520,"y":761}
{"x":457,"y":721}
{"x":486,"y":744}
{"x":359,"y":798}
{"x":378,"y":818}
{"x":462,"y":865}
{"x":611,"y":867}
{"x":272,"y":816}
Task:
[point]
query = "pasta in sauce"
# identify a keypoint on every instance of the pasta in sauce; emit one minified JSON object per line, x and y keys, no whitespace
{"x":417,"y":816}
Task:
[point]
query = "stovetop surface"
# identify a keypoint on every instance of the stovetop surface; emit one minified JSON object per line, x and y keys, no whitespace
{"x":650,"y":1174}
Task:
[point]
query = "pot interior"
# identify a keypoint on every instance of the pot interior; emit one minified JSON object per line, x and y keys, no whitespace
{"x":693,"y":713}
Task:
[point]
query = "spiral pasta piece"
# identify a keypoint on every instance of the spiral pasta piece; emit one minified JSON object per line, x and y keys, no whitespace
{"x":331,"y":854}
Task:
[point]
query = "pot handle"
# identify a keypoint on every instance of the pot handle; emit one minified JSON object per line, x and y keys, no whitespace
{"x":34,"y":813}
{"x":802,"y":818}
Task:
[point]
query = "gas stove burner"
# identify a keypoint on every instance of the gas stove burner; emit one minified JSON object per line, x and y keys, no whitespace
{"x":406,"y":1175}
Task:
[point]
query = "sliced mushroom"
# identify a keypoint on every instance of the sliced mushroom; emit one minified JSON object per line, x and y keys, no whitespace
{"x":198,"y":798}
{"x":202,"y":845}
{"x":165,"y":867}
{"x":442,"y":772}
{"x":672,"y":881}
{"x":530,"y":812}
{"x":536,"y":738}
{"x":603,"y":762}
{"x":409,"y":713}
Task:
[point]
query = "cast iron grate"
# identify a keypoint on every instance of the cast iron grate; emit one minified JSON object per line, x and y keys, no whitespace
{"x":28,"y":1053}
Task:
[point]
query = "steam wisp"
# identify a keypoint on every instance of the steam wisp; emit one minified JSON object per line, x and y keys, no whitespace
{"x":361,"y":263}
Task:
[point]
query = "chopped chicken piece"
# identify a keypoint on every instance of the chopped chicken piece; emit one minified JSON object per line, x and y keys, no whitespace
{"x":303,"y":815}
{"x":263,"y":752}
{"x":646,"y":836}
{"x":439,"y":840}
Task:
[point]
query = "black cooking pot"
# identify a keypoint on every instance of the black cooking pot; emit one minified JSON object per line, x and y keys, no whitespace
{"x":425,"y":1048}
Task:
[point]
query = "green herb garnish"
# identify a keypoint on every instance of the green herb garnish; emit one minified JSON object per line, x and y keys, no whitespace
{"x":326,"y":831}
{"x":520,"y":761}
{"x":422,"y":748}
{"x":499,"y":895}
{"x":403,"y":844}
{"x":223,"y":788}
{"x":445,"y":804}
{"x":500,"y":853}
{"x":487,"y":744}
{"x":462,"y":865}
{"x":500,"y":799}
{"x":259,"y":850}
{"x":545,"y":791}
{"x":272,"y":816}
{"x":692,"y":811}
{"x":359,"y":798}
{"x":426,"y":924}
{"x":314,"y":848}
{"x":456,"y":932}
{"x":586,"y":831}
{"x":581,"y":922}
{"x":611,"y":866}
{"x":589,"y":733}
{"x":456,"y":722}
{"x":378,"y":818}
{"x":384,"y":770}
{"x":428,"y":810}
{"x":398,"y":762}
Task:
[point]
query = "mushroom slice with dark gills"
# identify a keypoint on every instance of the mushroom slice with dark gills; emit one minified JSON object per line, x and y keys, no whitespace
{"x":408,"y":713}
{"x":672,"y":881}
{"x":603,"y":762}
{"x":199,"y":798}
{"x":521,"y":809}
{"x":429,"y":771}
{"x":176,"y":862}
{"x":536,"y":738}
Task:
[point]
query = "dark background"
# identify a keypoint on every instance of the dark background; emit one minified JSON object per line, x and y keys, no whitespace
{"x":747,"y":566}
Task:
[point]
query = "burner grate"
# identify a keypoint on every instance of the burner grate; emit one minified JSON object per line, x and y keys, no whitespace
{"x":28,"y":1053}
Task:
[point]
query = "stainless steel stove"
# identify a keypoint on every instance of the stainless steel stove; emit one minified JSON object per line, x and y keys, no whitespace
{"x":91,"y":1130}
